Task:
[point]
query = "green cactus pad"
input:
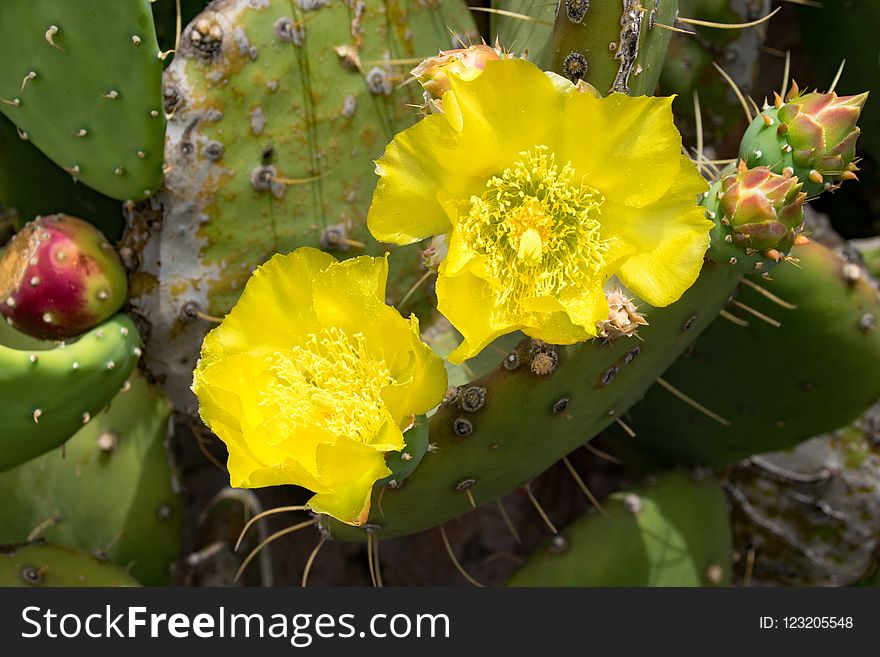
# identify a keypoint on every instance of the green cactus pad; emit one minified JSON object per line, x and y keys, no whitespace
{"x":83,"y":81}
{"x":612,"y":44}
{"x":43,"y":564}
{"x":776,"y":386}
{"x":278,"y":111}
{"x":674,"y":533}
{"x":50,"y":390}
{"x":31,"y":185}
{"x":112,"y":493}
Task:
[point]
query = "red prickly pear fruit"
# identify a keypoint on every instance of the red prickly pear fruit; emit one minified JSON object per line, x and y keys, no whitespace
{"x":60,"y":277}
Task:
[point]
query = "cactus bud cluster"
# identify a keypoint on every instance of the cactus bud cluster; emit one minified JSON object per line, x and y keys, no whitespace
{"x":811,"y":135}
{"x":59,"y":277}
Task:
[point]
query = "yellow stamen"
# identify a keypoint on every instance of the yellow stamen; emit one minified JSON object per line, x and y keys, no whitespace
{"x":330,"y":381}
{"x":537,"y":227}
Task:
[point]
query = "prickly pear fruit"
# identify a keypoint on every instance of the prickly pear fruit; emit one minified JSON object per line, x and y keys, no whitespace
{"x":59,"y":277}
{"x":812,"y":135}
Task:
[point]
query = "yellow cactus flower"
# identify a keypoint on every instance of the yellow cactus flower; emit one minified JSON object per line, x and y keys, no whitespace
{"x":311,"y":379}
{"x":543,"y":193}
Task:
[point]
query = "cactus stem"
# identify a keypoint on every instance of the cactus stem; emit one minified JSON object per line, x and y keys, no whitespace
{"x":623,"y":425}
{"x":691,"y":402}
{"x":733,"y":318}
{"x":767,"y":294}
{"x":736,"y":90}
{"x":508,"y":521}
{"x":729,"y":26}
{"x":311,"y":559}
{"x":455,"y":561}
{"x":528,"y":491}
{"x":260,"y":516}
{"x":583,"y":486}
{"x":283,"y":532}
{"x":756,"y":313}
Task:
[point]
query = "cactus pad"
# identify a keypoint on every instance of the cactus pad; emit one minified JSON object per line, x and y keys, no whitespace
{"x":815,"y":368}
{"x":43,"y":564}
{"x":50,"y":390}
{"x":673,"y":533}
{"x":111,"y":494}
{"x":82,"y":81}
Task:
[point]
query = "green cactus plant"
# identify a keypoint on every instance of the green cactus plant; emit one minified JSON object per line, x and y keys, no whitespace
{"x":50,"y":390}
{"x":818,"y":379}
{"x":674,"y":531}
{"x":113,"y":493}
{"x":612,"y":45}
{"x":46,"y":565}
{"x":104,"y":129}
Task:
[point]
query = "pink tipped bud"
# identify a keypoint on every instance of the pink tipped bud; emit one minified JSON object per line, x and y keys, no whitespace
{"x":764,"y":210}
{"x":822,"y":130}
{"x":59,"y":277}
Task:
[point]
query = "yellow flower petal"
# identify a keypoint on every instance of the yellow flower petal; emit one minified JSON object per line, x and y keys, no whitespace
{"x":670,"y":237}
{"x":627,"y":147}
{"x":405,"y":207}
{"x":275,"y":307}
{"x":468,"y":302}
{"x":349,"y":469}
{"x":500,"y":113}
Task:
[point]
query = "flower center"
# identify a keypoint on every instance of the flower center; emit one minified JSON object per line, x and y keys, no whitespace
{"x":537,"y":227}
{"x":330,"y":381}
